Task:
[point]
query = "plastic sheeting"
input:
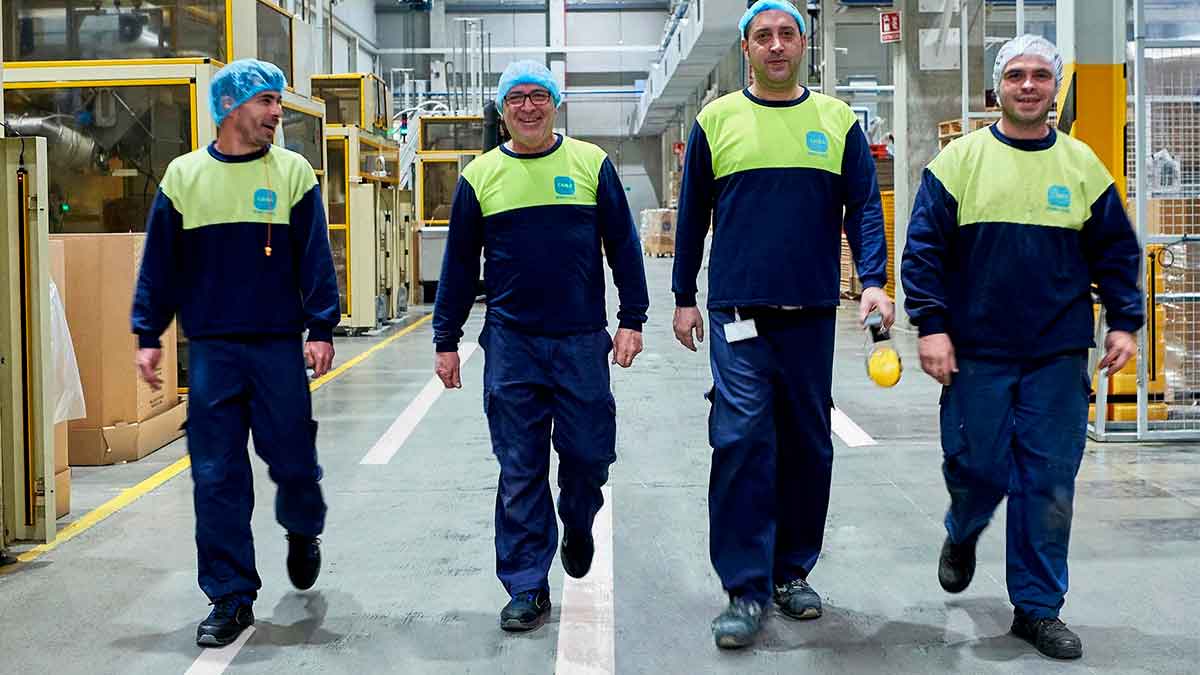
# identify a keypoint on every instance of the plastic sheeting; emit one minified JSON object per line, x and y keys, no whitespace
{"x":66,"y":388}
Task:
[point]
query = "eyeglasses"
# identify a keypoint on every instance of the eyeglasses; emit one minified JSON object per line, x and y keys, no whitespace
{"x":538,"y":98}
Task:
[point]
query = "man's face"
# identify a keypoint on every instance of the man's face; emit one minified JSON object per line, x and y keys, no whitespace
{"x":529,"y":113}
{"x":1027,"y":89}
{"x":255,"y":120}
{"x":775,"y":47}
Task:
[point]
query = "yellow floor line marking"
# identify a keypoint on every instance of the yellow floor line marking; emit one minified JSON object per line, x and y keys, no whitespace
{"x":327,"y":377}
{"x":131,"y":495}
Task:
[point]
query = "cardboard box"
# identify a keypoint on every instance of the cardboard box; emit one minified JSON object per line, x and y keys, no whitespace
{"x":61,"y":456}
{"x":101,"y":271}
{"x":62,"y":493}
{"x":58,"y":265}
{"x":126,"y":442}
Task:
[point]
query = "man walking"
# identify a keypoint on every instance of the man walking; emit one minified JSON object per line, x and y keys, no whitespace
{"x":785,"y":170}
{"x":540,"y":207}
{"x":1011,"y":226}
{"x":237,"y":245}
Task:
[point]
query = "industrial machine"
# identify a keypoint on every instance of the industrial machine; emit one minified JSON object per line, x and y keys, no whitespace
{"x":303,"y":131}
{"x":364,"y":226}
{"x":446,"y":144}
{"x":120,"y":90}
{"x":366,"y":223}
{"x":56,"y":32}
{"x":355,"y":100}
{"x":27,"y":485}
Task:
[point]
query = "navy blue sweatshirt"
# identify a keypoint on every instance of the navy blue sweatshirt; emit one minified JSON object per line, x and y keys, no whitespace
{"x":779,"y":180}
{"x":1005,"y":240}
{"x":205,"y":258}
{"x":540,"y":221}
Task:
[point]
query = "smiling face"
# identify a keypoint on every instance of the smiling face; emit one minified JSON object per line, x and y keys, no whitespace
{"x":529,"y":115}
{"x":775,"y":46}
{"x":254,"y":122}
{"x":1027,"y":90}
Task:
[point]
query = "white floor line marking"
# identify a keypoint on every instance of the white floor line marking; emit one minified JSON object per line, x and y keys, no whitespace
{"x":215,"y":661}
{"x":850,"y":433}
{"x":587,"y":620}
{"x":390,"y":443}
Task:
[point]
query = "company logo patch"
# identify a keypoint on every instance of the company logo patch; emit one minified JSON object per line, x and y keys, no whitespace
{"x":818,"y":142}
{"x":1058,"y":197}
{"x":265,"y":200}
{"x":564,"y":186}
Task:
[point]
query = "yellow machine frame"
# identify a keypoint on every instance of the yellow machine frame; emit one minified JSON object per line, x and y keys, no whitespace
{"x":313,"y":107}
{"x":241,"y":41}
{"x":383,"y":120}
{"x":369,"y":238}
{"x":433,"y":120}
{"x":27,"y":492}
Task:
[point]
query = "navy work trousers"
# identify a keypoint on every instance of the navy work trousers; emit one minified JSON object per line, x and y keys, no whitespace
{"x":539,"y":388}
{"x":772,"y":454}
{"x":1018,"y":429}
{"x":235,"y":388}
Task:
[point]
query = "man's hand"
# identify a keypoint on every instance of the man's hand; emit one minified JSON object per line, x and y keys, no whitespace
{"x":147,"y":362}
{"x":688,"y":321}
{"x":319,"y":357}
{"x":447,"y":368}
{"x":626,"y":345}
{"x":1119,"y":347}
{"x":875,"y":298}
{"x":937,"y":357}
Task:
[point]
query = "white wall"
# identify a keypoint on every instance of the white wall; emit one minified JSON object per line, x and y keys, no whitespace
{"x":508,"y":30}
{"x":359,"y":15}
{"x":612,"y":28}
{"x":341,"y":52}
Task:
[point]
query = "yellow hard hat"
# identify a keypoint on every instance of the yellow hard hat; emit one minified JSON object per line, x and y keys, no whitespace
{"x":883,"y":367}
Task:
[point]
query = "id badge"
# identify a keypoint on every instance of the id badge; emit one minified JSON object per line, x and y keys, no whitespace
{"x":740,"y":330}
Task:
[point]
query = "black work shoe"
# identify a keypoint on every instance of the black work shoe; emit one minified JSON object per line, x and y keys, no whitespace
{"x":228,"y":618}
{"x":738,"y":625}
{"x":526,"y":611}
{"x":577,"y":552}
{"x":1050,"y":636}
{"x":797,"y":600}
{"x":956,"y":566}
{"x":304,"y":560}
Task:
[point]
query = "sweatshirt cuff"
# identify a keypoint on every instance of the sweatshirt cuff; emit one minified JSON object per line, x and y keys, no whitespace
{"x":631,"y":324}
{"x":148,"y":341}
{"x":931,"y":325}
{"x":685,"y":299}
{"x":446,"y":346}
{"x":1129,"y":324}
{"x":874,"y":281}
{"x":320,"y":334}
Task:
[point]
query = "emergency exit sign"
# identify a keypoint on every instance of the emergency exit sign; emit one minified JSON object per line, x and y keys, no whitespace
{"x":889,"y":27}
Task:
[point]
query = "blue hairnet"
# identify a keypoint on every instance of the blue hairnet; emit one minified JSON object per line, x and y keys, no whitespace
{"x":766,"y":6}
{"x":241,"y":81}
{"x":1028,"y":45}
{"x":526,"y":72}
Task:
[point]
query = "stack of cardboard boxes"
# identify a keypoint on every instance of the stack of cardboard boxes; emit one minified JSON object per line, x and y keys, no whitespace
{"x":62,"y":469}
{"x":126,"y":420}
{"x":658,"y":232}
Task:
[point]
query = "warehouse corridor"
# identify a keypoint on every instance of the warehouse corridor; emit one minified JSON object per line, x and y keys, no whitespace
{"x":408,"y":583}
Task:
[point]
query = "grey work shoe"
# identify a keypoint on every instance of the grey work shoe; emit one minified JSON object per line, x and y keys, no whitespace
{"x":797,"y":600}
{"x":738,"y":625}
{"x":1050,"y":636}
{"x":526,"y":611}
{"x":229,"y":617}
